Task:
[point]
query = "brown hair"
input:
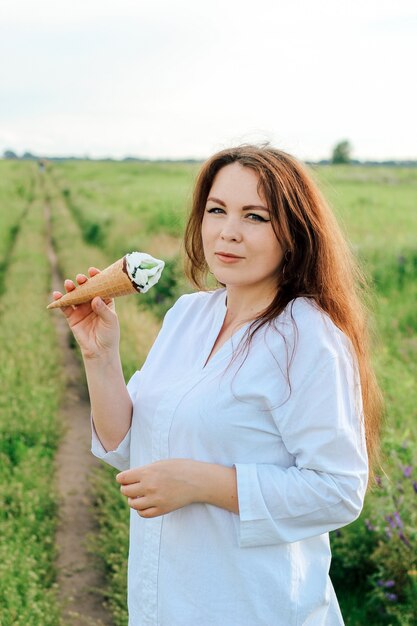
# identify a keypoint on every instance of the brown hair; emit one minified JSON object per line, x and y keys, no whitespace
{"x":317,"y":264}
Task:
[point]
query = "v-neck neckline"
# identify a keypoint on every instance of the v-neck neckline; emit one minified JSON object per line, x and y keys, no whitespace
{"x":214,"y":332}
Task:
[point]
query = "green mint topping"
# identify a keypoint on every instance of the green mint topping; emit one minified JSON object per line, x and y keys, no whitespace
{"x":147,"y":265}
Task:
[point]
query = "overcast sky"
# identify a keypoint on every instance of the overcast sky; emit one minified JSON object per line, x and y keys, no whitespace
{"x":183,"y":78}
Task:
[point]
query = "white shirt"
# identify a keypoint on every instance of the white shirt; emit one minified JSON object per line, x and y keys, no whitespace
{"x":299,"y":453}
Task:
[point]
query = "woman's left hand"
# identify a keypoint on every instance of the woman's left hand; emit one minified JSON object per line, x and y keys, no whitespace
{"x":160,"y":487}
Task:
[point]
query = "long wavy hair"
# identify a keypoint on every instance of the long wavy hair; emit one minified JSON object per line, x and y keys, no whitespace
{"x":317,"y":264}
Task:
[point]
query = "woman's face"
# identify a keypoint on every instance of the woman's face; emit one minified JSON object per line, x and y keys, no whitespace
{"x":240,"y":246}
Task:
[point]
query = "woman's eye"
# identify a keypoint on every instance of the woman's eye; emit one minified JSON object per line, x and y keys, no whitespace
{"x":254,"y":217}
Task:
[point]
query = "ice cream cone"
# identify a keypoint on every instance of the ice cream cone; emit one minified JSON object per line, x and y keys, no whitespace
{"x":110,"y":283}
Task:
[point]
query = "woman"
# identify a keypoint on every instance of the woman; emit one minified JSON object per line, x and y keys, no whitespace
{"x":247,"y":434}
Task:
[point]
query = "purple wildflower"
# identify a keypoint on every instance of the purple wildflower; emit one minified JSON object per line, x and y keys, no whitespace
{"x":404,"y":539}
{"x":391,"y":521}
{"x":369,"y":525}
{"x":398,"y":520}
{"x":392,"y":597}
{"x":378,"y":481}
{"x":386,"y":583}
{"x":415,"y":486}
{"x":407,"y":470}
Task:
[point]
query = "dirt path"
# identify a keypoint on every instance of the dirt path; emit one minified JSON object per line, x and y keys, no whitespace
{"x":79,"y":577}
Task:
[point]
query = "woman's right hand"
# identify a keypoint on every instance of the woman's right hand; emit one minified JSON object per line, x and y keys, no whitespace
{"x":94,"y":324}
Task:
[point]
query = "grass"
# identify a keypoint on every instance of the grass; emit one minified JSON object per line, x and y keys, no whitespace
{"x":29,"y":433}
{"x":16,"y":195}
{"x":377,"y":208}
{"x":150,"y":197}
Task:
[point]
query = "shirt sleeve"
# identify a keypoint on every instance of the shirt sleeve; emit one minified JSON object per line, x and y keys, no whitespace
{"x":120,"y":457}
{"x":323,"y":430}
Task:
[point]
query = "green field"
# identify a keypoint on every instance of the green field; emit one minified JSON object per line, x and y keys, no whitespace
{"x":99,"y":211}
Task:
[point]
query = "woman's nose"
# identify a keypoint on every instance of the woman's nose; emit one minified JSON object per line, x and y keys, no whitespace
{"x":230,"y":231}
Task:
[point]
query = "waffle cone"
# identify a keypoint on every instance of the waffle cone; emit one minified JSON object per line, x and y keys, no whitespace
{"x":110,"y":283}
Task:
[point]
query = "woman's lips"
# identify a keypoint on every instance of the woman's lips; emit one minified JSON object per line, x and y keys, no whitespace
{"x":228,"y":258}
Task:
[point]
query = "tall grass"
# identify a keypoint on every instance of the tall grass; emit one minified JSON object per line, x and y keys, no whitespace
{"x":29,"y":395}
{"x":151,"y":198}
{"x":16,"y":194}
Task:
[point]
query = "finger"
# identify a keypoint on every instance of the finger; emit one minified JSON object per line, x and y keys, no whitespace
{"x":92,"y":271}
{"x":132,"y":491}
{"x":151,"y":512}
{"x":65,"y":309}
{"x":129,"y":476}
{"x":81,"y":279}
{"x":103,"y":310}
{"x":140,"y":503}
{"x":143,"y":508}
{"x":69,"y":285}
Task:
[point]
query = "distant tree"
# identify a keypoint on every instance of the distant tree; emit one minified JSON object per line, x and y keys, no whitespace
{"x":29,"y":156}
{"x":9,"y":154}
{"x":341,"y":152}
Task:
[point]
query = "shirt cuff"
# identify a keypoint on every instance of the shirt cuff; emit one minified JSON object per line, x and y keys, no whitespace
{"x":118,"y":458}
{"x":256,"y":526}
